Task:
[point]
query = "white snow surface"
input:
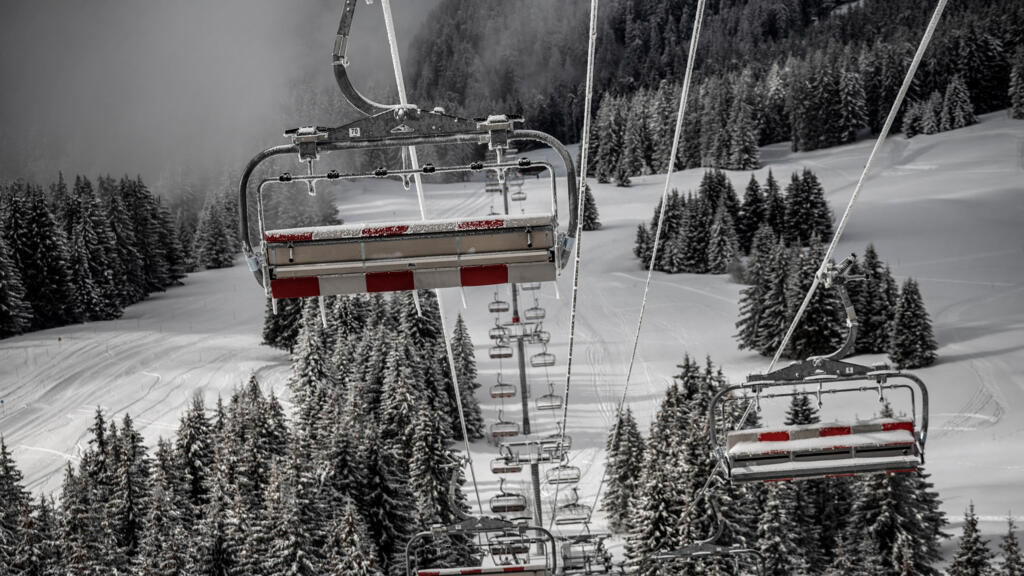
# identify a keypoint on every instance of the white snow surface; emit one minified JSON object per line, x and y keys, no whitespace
{"x":946,"y":209}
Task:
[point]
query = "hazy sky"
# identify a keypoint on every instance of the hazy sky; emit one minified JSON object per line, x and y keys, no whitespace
{"x":162,"y":86}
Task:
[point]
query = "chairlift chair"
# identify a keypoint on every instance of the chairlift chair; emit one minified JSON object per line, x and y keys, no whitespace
{"x":505,"y":502}
{"x":539,"y":336}
{"x":827,"y":449}
{"x":504,"y":540}
{"x":518,"y":196}
{"x":549,"y":401}
{"x":585,"y":554}
{"x":542,"y":359}
{"x":562,"y":474}
{"x":572,"y":511}
{"x":506,"y":464}
{"x":498,"y":306}
{"x":534,"y":314}
{"x":504,"y":428}
{"x":500,"y":350}
{"x":530,"y":286}
{"x":503,"y":390}
{"x":509,"y":545}
{"x":498,"y":332}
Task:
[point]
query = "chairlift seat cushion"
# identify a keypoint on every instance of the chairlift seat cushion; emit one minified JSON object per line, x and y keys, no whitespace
{"x":521,"y":570}
{"x":420,"y":255}
{"x":823,"y":450}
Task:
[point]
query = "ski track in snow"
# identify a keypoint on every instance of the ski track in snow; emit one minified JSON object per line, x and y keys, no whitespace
{"x":944,"y":209}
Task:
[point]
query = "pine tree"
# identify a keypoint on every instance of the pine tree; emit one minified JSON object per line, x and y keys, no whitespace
{"x":591,"y":218}
{"x":349,"y":552}
{"x":696,"y":236}
{"x":722,"y":249}
{"x":752,"y":298}
{"x":1012,"y":564}
{"x":195,"y":447}
{"x":281,"y":330}
{"x":610,"y":129}
{"x":912,"y":119}
{"x":642,"y":245}
{"x":1017,"y":85}
{"x":931,"y":109}
{"x":777,"y":534}
{"x":388,"y":507}
{"x":820,"y":329}
{"x":130,"y":280}
{"x":957,"y":110}
{"x":972,"y":557}
{"x":38,"y":249}
{"x":775,"y":315}
{"x":637,"y":146}
{"x":807,"y":211}
{"x":212,"y":246}
{"x":743,"y":152}
{"x":752,"y":215}
{"x":852,"y":106}
{"x":911,"y":344}
{"x":775,"y":205}
{"x":15,"y":312}
{"x":801,"y":411}
{"x":130,"y":498}
{"x":464,"y":355}
{"x":874,"y":299}
{"x":624,"y":458}
{"x":312,"y":372}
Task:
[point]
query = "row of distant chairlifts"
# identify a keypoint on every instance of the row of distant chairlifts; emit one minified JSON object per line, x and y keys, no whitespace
{"x":526,"y":250}
{"x":582,"y":553}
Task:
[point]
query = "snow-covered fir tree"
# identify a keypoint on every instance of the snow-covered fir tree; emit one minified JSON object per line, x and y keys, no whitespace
{"x":722,"y":244}
{"x":624,"y":456}
{"x":610,"y":126}
{"x":465,"y":368}
{"x":775,"y":315}
{"x":775,"y":205}
{"x":957,"y":109}
{"x":591,"y":218}
{"x":973,"y":557}
{"x":874,"y":300}
{"x":807,"y":211}
{"x":778,"y":534}
{"x":931,"y":111}
{"x":743,"y":151}
{"x":912,"y":119}
{"x":15,"y":312}
{"x":281,"y":330}
{"x":752,"y":298}
{"x":349,"y":551}
{"x":1017,"y":85}
{"x":752,"y":215}
{"x":820,"y":329}
{"x":39,"y":250}
{"x":911,"y":343}
{"x":213,"y":245}
{"x":1011,"y":563}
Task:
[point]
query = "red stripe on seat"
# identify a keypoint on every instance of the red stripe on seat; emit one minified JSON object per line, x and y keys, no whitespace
{"x":514,"y":569}
{"x":429,"y":573}
{"x":779,"y":480}
{"x":471,"y":571}
{"x":481,"y":224}
{"x":781,"y":436}
{"x":390,"y":281}
{"x":296,"y":237}
{"x":385,"y":231}
{"x":889,"y":426}
{"x":834,"y":431}
{"x":846,"y":475}
{"x":303,"y":287}
{"x":484,"y":275}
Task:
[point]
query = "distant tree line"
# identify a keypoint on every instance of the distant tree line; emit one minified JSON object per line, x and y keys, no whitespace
{"x":708,"y":232}
{"x":812,"y":71}
{"x":84,"y":253}
{"x":883,"y":524}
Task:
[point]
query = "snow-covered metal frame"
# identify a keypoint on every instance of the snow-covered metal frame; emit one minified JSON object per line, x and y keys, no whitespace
{"x":585,"y":554}
{"x":429,"y":128}
{"x":486,"y":529}
{"x":828,"y":449}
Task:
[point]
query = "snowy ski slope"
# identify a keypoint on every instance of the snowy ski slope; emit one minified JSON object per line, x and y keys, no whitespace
{"x":946,"y":209}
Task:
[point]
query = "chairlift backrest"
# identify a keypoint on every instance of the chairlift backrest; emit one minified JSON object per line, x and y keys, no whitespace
{"x":542,"y":359}
{"x":499,"y":350}
{"x":534,"y":313}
